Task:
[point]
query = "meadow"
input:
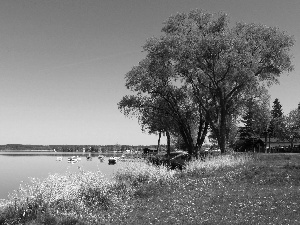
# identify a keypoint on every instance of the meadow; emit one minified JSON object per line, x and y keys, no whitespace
{"x":226,"y":189}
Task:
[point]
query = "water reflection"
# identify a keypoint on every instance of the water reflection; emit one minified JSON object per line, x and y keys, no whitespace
{"x":17,"y":167}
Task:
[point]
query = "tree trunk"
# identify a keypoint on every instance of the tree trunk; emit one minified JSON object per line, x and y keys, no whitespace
{"x":218,"y":125}
{"x":292,"y":143}
{"x":187,"y":138}
{"x":202,"y":132}
{"x":222,"y":133}
{"x":266,"y":141}
{"x":198,"y":144}
{"x":168,"y":142}
{"x":158,"y":142}
{"x":269,"y":143}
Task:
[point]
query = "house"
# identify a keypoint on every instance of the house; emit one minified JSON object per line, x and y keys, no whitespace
{"x":277,"y":145}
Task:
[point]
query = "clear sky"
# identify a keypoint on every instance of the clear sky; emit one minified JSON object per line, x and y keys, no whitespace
{"x":62,"y":63}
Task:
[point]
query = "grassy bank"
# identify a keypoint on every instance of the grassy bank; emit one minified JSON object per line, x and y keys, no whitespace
{"x":230,"y":189}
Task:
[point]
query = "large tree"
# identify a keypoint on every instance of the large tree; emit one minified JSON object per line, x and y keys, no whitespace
{"x":152,"y":114}
{"x":162,"y":104}
{"x":215,"y":62}
{"x":220,"y":62}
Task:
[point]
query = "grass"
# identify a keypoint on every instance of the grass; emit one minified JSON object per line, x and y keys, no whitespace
{"x":229,"y":189}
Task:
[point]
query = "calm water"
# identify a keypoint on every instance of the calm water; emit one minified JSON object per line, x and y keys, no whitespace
{"x":17,"y":167}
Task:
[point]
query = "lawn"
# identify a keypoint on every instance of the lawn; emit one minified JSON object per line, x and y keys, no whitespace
{"x":264,"y":190}
{"x":230,"y":189}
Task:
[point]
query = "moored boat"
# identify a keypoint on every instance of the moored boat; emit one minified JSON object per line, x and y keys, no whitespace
{"x":122,"y":157}
{"x":112,"y":160}
{"x":89,"y":157}
{"x":59,"y":158}
{"x":72,"y":159}
{"x":101,"y":157}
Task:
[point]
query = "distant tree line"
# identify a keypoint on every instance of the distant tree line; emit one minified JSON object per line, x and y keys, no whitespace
{"x":74,"y":148}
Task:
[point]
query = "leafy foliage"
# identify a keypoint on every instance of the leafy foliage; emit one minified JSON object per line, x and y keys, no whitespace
{"x":163,"y":103}
{"x":222,"y":62}
{"x":276,"y":128}
{"x":216,"y":64}
{"x":292,"y":125}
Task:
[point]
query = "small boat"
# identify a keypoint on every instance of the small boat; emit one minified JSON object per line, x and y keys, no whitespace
{"x":112,"y":161}
{"x":89,"y":157}
{"x":59,"y":158}
{"x":78,"y":158}
{"x":72,"y":159}
{"x":101,"y":158}
{"x":122,"y":157}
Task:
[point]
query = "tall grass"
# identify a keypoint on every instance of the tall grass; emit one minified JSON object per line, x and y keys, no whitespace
{"x":69,"y":195}
{"x":89,"y":198}
{"x":218,"y":162}
{"x":137,"y":173}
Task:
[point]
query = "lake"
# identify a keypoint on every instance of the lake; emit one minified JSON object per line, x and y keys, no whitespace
{"x":16,"y":167}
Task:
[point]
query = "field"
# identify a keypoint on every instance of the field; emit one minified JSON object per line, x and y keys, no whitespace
{"x":229,"y":189}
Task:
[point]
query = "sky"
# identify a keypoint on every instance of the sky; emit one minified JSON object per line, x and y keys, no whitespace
{"x":63,"y":63}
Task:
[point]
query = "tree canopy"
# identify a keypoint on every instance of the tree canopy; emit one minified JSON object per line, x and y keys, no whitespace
{"x":207,"y":68}
{"x":276,"y":128}
{"x":292,"y":125}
